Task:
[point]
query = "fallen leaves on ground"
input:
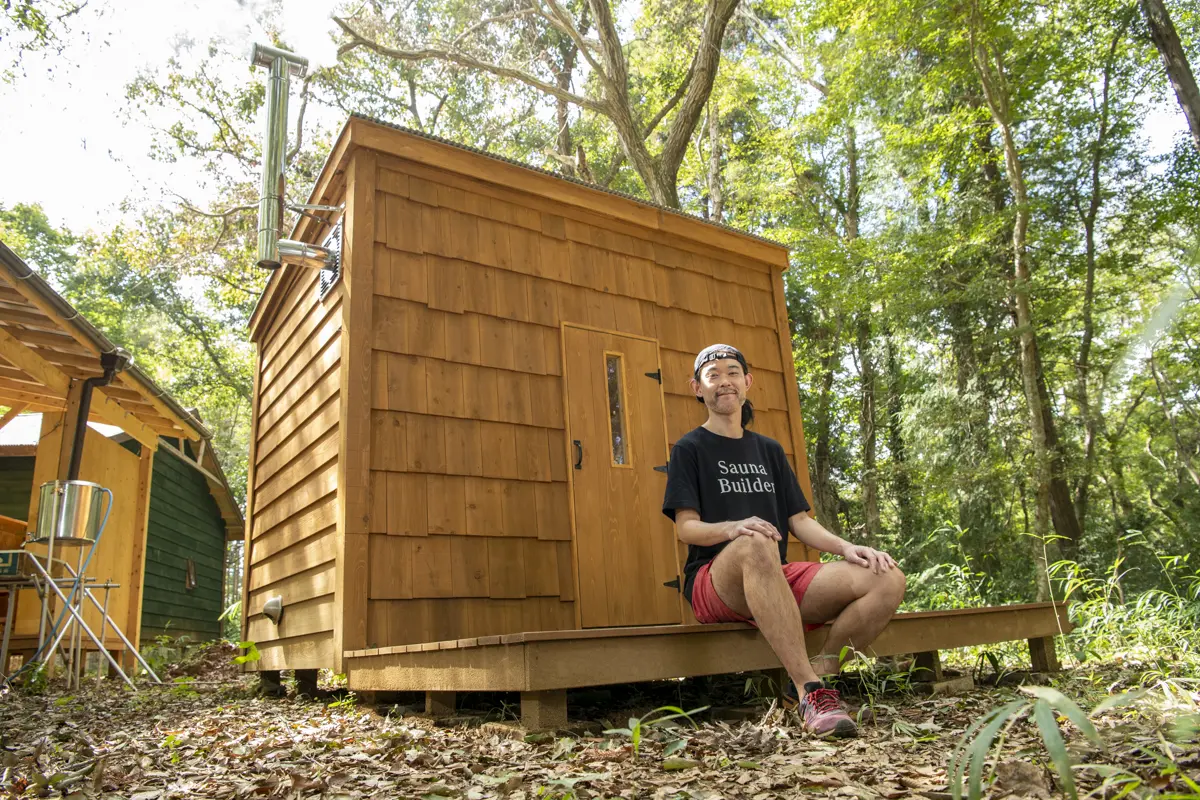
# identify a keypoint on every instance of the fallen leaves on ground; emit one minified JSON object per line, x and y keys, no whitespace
{"x":215,"y":738}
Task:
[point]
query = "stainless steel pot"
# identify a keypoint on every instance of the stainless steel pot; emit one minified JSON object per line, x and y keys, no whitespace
{"x":69,"y":512}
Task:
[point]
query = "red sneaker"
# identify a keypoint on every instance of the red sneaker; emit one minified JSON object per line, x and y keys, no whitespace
{"x":822,"y":712}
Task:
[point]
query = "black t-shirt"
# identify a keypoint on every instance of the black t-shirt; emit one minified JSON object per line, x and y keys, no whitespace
{"x":727,"y":479}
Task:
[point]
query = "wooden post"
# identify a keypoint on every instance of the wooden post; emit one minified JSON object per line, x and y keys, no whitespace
{"x":306,"y":682}
{"x":354,"y":456}
{"x":779,"y":679}
{"x":542,"y":711}
{"x":137,"y":559}
{"x":1044,"y":655}
{"x":927,"y":667}
{"x":441,"y":704}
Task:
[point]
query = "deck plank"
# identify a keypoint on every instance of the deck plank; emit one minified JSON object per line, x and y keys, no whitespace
{"x":548,"y":660}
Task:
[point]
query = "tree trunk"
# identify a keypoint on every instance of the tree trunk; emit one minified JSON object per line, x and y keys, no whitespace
{"x":567,"y":53}
{"x":825,"y":500}
{"x":1179,"y":71}
{"x":1053,"y":496}
{"x":866,"y":361}
{"x":716,"y":199}
{"x":1090,"y":415}
{"x":901,"y":480}
{"x":866,"y":422}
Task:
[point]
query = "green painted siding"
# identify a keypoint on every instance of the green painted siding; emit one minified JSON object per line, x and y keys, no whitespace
{"x":184,"y":523}
{"x":16,"y":484}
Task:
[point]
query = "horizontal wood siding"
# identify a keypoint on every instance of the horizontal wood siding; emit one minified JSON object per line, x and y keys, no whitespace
{"x":16,"y":485}
{"x":185,"y":523}
{"x":470,"y":522}
{"x":294,"y":495}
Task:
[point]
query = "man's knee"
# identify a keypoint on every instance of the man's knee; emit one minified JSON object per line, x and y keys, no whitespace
{"x":755,"y":552}
{"x":895,"y":583}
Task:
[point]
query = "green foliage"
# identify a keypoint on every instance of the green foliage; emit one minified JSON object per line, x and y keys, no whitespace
{"x":250,"y":656}
{"x":640,"y":727}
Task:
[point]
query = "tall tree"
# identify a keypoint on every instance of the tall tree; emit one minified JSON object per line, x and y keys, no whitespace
{"x":1175,"y":61}
{"x":609,"y":93}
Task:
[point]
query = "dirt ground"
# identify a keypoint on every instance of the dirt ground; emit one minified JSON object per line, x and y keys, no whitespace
{"x":208,"y":733}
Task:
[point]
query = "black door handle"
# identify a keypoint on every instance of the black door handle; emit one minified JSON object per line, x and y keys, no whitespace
{"x":578,"y":454}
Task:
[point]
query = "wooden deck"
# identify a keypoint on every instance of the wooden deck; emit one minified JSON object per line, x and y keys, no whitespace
{"x":542,"y":665}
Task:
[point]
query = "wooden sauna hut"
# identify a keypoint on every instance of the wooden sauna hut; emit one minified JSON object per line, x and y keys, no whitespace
{"x":460,"y":430}
{"x":171,"y":505}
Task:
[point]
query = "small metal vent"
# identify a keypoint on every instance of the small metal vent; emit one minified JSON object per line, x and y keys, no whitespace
{"x":331,"y":273}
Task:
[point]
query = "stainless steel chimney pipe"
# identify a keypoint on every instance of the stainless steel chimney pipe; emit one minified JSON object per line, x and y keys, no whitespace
{"x":273,"y":193}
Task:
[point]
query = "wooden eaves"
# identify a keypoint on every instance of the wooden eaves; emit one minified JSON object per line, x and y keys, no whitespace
{"x":45,"y":345}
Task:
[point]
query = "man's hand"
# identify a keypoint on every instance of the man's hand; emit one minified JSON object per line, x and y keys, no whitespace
{"x":877,"y":561}
{"x":752,"y":526}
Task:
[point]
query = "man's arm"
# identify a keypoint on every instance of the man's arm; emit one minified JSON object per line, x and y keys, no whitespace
{"x":691,"y":530}
{"x":813,"y":534}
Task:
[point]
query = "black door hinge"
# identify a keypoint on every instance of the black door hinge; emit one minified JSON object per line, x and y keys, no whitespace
{"x":673,"y":584}
{"x":657,"y":375}
{"x":663,"y":468}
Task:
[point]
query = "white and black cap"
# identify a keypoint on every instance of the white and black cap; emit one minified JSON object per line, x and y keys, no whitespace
{"x":715,"y":352}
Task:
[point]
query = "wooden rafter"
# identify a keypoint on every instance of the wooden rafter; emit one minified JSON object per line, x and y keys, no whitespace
{"x":58,"y":385}
{"x":12,"y":413}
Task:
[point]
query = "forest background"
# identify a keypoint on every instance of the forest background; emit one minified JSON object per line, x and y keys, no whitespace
{"x":991,"y":204}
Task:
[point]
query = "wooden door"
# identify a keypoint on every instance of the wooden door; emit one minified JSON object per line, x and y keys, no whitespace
{"x":625,"y":547}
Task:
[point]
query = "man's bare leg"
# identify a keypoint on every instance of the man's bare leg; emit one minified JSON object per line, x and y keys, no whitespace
{"x":747,"y":578}
{"x":857,"y":601}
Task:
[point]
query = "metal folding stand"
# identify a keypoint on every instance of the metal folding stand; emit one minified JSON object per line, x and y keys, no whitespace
{"x":47,"y":587}
{"x":68,"y":515}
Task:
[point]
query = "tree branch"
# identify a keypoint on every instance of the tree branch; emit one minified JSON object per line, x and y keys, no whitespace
{"x":478,"y":26}
{"x":704,"y":73}
{"x":304,"y":94}
{"x":560,"y":19}
{"x":465,"y":60}
{"x":782,"y":49}
{"x":674,"y":101}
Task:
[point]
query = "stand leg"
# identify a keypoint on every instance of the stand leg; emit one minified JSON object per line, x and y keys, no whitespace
{"x":544,"y":710}
{"x":9,"y":617}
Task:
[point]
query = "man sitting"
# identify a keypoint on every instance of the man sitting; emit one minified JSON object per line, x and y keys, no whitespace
{"x":733,"y":496}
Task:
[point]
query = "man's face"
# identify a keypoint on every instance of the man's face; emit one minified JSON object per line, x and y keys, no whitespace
{"x":722,"y":385}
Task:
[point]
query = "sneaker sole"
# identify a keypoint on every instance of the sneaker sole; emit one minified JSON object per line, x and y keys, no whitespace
{"x":845,"y":729}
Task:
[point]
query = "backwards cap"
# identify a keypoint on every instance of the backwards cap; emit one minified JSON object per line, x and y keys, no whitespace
{"x":715,"y":352}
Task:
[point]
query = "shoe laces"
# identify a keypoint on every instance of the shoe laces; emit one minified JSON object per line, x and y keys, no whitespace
{"x":823,"y":700}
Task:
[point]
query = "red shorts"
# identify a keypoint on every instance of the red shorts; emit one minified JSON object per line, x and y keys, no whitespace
{"x":708,"y":607}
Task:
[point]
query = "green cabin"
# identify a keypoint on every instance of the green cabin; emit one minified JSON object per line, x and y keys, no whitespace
{"x":192,"y":515}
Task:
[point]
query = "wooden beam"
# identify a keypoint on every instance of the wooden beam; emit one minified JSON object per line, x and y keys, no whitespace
{"x":170,"y":448}
{"x":58,"y":384}
{"x":69,"y":424}
{"x":32,"y":364}
{"x":354,"y":428}
{"x":35,"y":298}
{"x":12,"y":397}
{"x":141,"y":524}
{"x":164,"y":410}
{"x":12,"y":413}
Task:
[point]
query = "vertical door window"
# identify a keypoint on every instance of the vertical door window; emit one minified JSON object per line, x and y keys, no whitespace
{"x":614,"y":367}
{"x":189,"y":578}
